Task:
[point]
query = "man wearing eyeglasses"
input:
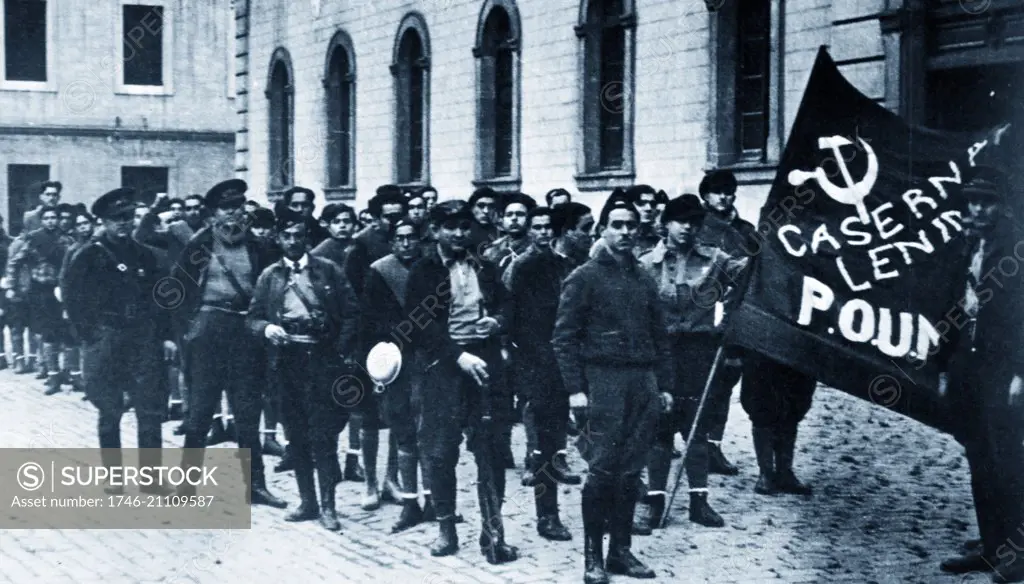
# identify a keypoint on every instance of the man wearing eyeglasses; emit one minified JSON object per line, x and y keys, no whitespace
{"x":215,"y":276}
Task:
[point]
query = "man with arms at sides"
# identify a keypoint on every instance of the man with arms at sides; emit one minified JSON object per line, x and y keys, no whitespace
{"x":304,"y":306}
{"x":613,"y":353}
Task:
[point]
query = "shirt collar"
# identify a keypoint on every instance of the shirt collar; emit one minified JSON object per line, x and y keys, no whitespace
{"x":301,"y":264}
{"x":448,"y":261}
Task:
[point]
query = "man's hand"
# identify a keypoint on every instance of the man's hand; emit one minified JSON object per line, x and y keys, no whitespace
{"x":9,"y":294}
{"x":474,"y":366}
{"x":170,"y":351}
{"x":578,"y":400}
{"x":1016,"y":389}
{"x":488,"y":325}
{"x":56,"y":294}
{"x":666,"y":402}
{"x":276,"y":334}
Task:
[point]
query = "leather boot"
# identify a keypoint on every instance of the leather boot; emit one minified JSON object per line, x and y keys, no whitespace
{"x":328,"y":516}
{"x":353,"y":471}
{"x":287,"y":462}
{"x":764,"y":449}
{"x":19,"y":365}
{"x":412,"y":514}
{"x":271,"y":447}
{"x":3,"y":362}
{"x":531,"y":465}
{"x":785,"y":480}
{"x":595,"y":504}
{"x":428,"y":507}
{"x":966,"y":564}
{"x":620,"y":558}
{"x":702,"y":513}
{"x":370,"y":439}
{"x":30,"y":364}
{"x":78,"y":385}
{"x":447,"y":542}
{"x":53,"y":384}
{"x":308,"y":509}
{"x":217,"y":434}
{"x":258,"y":494}
{"x":718,"y":463}
{"x":1008,"y":570}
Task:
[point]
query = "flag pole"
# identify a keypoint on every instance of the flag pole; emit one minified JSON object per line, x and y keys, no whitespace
{"x":663,"y":520}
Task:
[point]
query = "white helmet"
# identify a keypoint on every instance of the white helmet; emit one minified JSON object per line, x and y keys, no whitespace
{"x":383,"y":363}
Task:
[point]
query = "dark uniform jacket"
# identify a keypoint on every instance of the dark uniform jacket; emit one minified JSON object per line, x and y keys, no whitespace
{"x":351,"y":256}
{"x":383,"y":311}
{"x":505,"y":249}
{"x":332,"y":291}
{"x":191,"y":269}
{"x":732,"y":235}
{"x":610,"y":314}
{"x":428,"y":300}
{"x":375,"y":243}
{"x":111,"y":285}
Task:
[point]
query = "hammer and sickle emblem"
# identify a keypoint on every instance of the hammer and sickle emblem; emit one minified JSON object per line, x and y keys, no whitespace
{"x":854,"y":192}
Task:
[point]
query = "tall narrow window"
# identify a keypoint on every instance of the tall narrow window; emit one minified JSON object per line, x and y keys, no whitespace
{"x":143,"y":44}
{"x":411,"y":68}
{"x":25,"y":40}
{"x":340,"y":85}
{"x":606,"y":34}
{"x":281,"y":113}
{"x":752,"y":82}
{"x":497,"y":53}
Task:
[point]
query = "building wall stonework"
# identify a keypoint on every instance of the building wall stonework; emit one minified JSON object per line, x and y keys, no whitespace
{"x":673,"y":83}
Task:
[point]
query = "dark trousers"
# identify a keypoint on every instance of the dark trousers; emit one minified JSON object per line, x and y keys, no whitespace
{"x":692,"y":355}
{"x":547,"y":417}
{"x":225,"y":357}
{"x":774,"y":395}
{"x":306,"y":376}
{"x":401,"y":410}
{"x":730,"y":369}
{"x":450,"y":405}
{"x":119,"y":362}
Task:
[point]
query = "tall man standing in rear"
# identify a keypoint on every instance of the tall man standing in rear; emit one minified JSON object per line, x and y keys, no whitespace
{"x":612,"y":350}
{"x":217,"y":271}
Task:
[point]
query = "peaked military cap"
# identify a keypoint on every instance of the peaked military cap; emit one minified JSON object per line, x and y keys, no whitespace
{"x":115,"y":204}
{"x":450,"y":211}
{"x":227,"y":194}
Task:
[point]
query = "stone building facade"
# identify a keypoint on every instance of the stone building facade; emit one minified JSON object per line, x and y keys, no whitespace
{"x":344,"y":95}
{"x":99,"y":94}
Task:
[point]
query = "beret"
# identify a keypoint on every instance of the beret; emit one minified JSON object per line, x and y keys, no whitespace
{"x":227,"y":194}
{"x":263,"y":218}
{"x":524,"y":200}
{"x":985,"y":182}
{"x":617,"y":200}
{"x":115,"y":204}
{"x":288,"y":218}
{"x":287,"y":196}
{"x":684,"y":208}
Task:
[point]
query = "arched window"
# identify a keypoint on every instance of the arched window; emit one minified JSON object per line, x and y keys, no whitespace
{"x":497,"y":56}
{"x":411,"y":69}
{"x":281,"y":112}
{"x":339,"y":84}
{"x":606,"y":37}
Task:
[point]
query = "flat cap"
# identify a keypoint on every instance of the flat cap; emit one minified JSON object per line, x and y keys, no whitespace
{"x":287,"y":196}
{"x":226,"y":195}
{"x":684,"y":209}
{"x":262,"y":217}
{"x":985,"y":182}
{"x":450,"y":211}
{"x":288,"y":218}
{"x":520,"y":198}
{"x":114,"y":204}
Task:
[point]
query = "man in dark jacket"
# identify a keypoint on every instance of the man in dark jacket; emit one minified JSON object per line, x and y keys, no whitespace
{"x":725,"y":230}
{"x":985,"y":380}
{"x":613,"y":354}
{"x":215,"y":276}
{"x":534,"y":285}
{"x":108,"y":289}
{"x":456,"y":300}
{"x":384,"y":317}
{"x":304,"y":306}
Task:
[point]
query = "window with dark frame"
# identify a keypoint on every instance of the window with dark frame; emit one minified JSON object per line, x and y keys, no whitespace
{"x":753,"y":54}
{"x":24,"y":183}
{"x":143,"y":42}
{"x":25,"y":40}
{"x":146,"y":180}
{"x":339,"y":119}
{"x":497,"y":96}
{"x":280,"y":111}
{"x":607,"y":98}
{"x":411,"y":100}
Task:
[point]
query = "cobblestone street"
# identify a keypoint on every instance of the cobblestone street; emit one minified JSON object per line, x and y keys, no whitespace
{"x":892,"y":498}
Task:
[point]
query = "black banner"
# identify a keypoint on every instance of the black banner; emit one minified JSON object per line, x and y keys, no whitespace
{"x":862,"y":254}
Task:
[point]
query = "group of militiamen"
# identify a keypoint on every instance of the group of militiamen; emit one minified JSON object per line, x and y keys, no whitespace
{"x":505,"y":311}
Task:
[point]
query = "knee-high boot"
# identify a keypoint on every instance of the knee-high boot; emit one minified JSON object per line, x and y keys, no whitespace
{"x":597,"y":500}
{"x":620,"y":558}
{"x":412,"y":514}
{"x":370,"y":438}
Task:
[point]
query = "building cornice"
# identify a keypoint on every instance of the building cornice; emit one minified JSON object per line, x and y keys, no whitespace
{"x":119,"y":133}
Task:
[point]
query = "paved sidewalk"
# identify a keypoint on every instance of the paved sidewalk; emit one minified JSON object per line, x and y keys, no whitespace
{"x":891,"y":499}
